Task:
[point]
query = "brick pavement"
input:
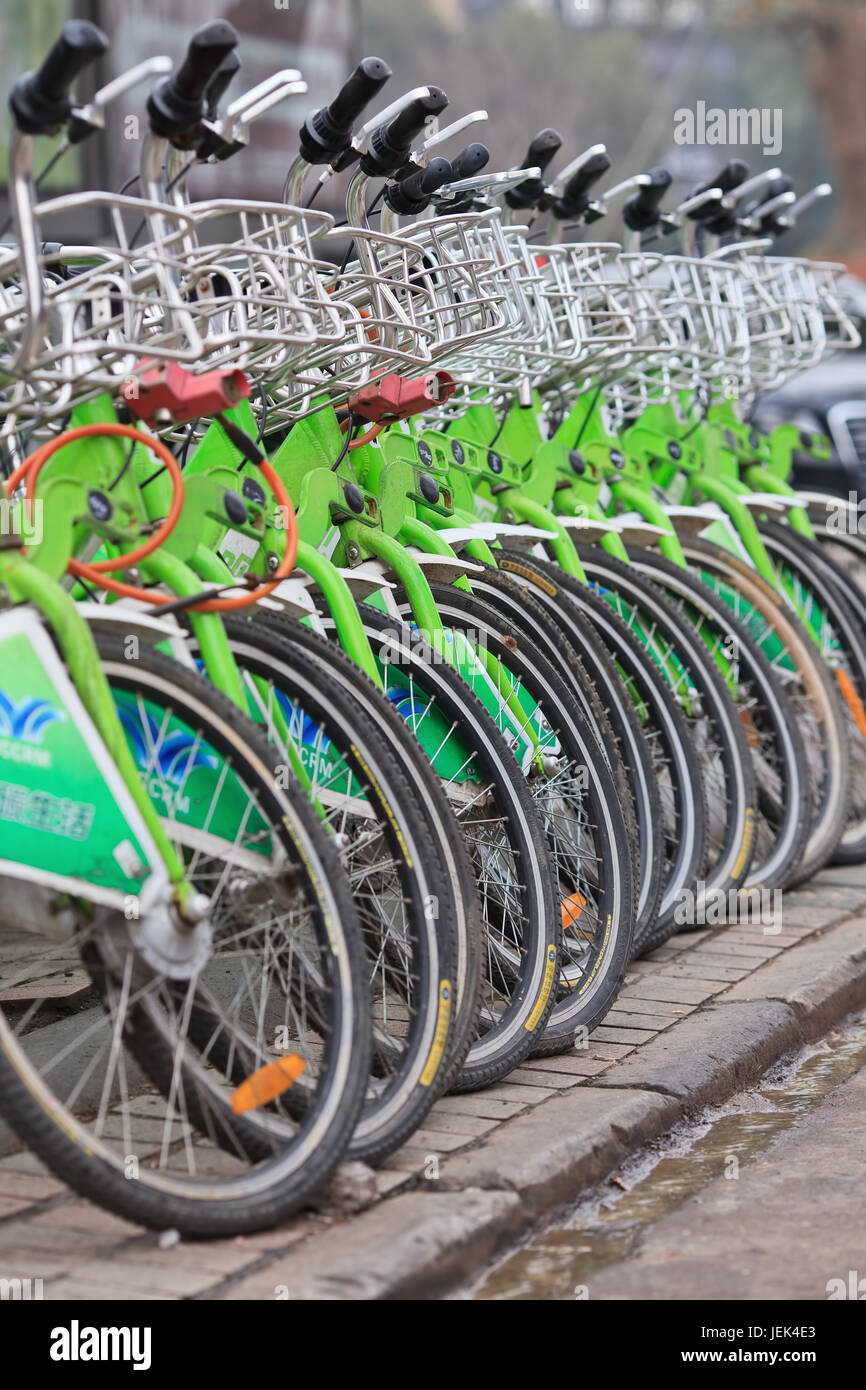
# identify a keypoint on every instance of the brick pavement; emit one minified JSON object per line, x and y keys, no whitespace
{"x":81,"y":1252}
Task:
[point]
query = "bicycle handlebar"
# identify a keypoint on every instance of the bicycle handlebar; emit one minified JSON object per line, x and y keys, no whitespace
{"x":327,"y":133}
{"x":178,"y":104}
{"x":412,"y":194}
{"x":40,"y":100}
{"x":642,"y":210}
{"x":219,"y":82}
{"x":542,"y":149}
{"x":573,"y":201}
{"x":358,"y":91}
{"x":390,"y":144}
{"x":735,"y":172}
{"x":753,"y":188}
{"x":716,"y":217}
{"x":469,"y":161}
{"x":772,"y":188}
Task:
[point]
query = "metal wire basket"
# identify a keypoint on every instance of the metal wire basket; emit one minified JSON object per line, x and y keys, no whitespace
{"x":466,"y":265}
{"x":385,"y":320}
{"x":840,"y":331}
{"x":645,"y":368}
{"x":809,"y":290}
{"x":703,"y":303}
{"x":523,"y":349}
{"x":407,"y":300}
{"x":81,"y":321}
{"x":590,"y":301}
{"x":785,"y":332}
{"x":254,"y":284}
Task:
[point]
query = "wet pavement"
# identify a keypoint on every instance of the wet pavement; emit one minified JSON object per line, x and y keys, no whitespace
{"x":762,"y":1198}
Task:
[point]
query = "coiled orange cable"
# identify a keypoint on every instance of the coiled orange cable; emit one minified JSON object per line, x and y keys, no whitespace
{"x":98,"y":572}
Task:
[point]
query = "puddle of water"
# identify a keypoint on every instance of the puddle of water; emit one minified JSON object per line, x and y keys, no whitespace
{"x":607,"y":1226}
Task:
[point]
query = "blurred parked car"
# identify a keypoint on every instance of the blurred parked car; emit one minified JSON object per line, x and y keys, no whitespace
{"x":829,"y":399}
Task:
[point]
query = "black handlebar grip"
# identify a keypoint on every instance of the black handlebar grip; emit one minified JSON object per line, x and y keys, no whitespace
{"x":641,"y":211}
{"x":470,"y":161}
{"x":776,"y":187}
{"x":541,"y":150}
{"x":357,"y":92}
{"x":735,"y":172}
{"x":426,"y":181}
{"x":715,"y":218}
{"x":326,"y":135}
{"x":574,"y":199}
{"x":412,"y":194}
{"x":771,"y":223}
{"x":409,"y":122}
{"x":208,"y":48}
{"x":40,"y":100}
{"x":177,"y":105}
{"x":389,"y":144}
{"x":774,"y":224}
{"x":219,"y":82}
{"x":80,"y":42}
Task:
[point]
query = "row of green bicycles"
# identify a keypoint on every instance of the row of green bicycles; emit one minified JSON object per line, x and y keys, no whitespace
{"x":401,"y":624}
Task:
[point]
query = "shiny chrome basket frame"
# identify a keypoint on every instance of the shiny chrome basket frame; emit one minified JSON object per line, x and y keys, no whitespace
{"x":92,"y":312}
{"x":410,"y":300}
{"x":524,"y":350}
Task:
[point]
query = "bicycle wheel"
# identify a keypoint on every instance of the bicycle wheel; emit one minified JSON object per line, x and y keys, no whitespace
{"x":594,"y":682}
{"x":500,"y":828}
{"x":846,"y":549}
{"x":804,"y":573}
{"x":783,"y":806}
{"x":682,"y":827}
{"x":807,"y":680}
{"x":109,"y":1084}
{"x":400,"y":851}
{"x":717,"y":729}
{"x":578,"y":804}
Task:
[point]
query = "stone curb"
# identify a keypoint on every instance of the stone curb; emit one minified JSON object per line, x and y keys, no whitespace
{"x":422,"y":1244}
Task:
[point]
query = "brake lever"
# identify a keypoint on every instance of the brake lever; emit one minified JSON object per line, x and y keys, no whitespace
{"x":253,"y":103}
{"x":361,"y":140}
{"x":86,"y":120}
{"x":752,"y":223}
{"x":821,"y":190}
{"x":241,"y":126}
{"x":223,"y":138}
{"x":709,"y":195}
{"x":753,"y":185}
{"x":557,"y":188}
{"x":455,"y":128}
{"x":636,"y":181}
{"x":501,"y":183}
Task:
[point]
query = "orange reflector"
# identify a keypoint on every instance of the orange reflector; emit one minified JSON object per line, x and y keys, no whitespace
{"x":749,"y":725}
{"x":267,"y":1083}
{"x":852,"y":700}
{"x":571,"y":908}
